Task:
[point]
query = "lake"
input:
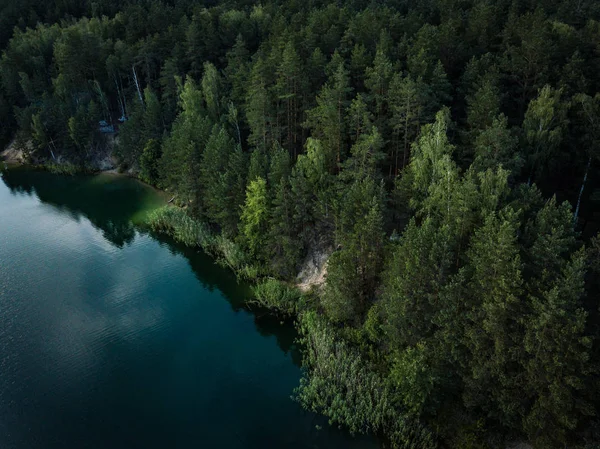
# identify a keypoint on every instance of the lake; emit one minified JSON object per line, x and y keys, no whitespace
{"x":112,"y":338}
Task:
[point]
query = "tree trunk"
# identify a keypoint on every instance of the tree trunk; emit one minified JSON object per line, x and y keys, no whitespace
{"x":121,"y":106}
{"x":137,"y":86}
{"x":587,"y":169}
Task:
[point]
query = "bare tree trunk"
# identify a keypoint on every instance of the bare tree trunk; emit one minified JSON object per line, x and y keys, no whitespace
{"x":123,"y":95}
{"x":121,"y":105}
{"x":52,"y":152}
{"x":137,"y":86}
{"x":587,"y":169}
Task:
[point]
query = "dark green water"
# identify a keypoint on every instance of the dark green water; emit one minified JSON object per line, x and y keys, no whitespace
{"x":113,"y":339}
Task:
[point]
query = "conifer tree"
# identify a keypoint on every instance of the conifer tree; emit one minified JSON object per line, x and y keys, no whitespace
{"x":327,"y":119}
{"x":543,"y":129}
{"x":259,"y":110}
{"x":211,"y":91}
{"x":558,"y":368}
{"x":289,"y":93}
{"x":493,"y":333}
{"x":255,"y":213}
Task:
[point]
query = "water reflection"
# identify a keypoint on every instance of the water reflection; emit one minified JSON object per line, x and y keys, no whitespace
{"x":110,"y":203}
{"x":212,"y":276}
{"x":113,"y":204}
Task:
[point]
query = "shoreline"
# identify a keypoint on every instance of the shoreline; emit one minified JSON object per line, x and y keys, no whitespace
{"x":312,"y":272}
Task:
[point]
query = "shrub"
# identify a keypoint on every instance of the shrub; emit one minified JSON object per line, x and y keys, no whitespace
{"x":339,"y":384}
{"x":276,"y":295}
{"x":174,"y":222}
{"x":63,"y":169}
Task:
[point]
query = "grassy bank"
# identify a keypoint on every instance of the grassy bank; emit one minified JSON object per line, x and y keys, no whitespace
{"x":271,"y":293}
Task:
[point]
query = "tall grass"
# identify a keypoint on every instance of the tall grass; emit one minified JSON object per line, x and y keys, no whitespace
{"x":339,"y":383}
{"x":276,"y":295}
{"x":175,"y":222}
{"x":64,"y":169}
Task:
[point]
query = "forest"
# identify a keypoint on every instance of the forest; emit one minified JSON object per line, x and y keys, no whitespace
{"x":444,"y":154}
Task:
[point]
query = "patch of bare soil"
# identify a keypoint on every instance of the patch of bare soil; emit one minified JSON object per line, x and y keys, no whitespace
{"x":12,"y":154}
{"x":314,"y":270}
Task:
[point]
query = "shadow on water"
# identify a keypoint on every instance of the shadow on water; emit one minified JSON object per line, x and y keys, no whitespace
{"x":212,"y":276}
{"x":114,"y":204}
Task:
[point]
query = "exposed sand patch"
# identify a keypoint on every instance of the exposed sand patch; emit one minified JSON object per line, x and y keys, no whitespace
{"x":12,"y":154}
{"x":314,"y":270}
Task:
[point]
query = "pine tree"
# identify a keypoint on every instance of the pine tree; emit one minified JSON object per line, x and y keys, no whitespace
{"x":153,"y":117}
{"x":284,"y":247}
{"x":412,"y":282}
{"x":255,"y":214}
{"x":543,"y":129}
{"x":289,"y":93}
{"x":326,"y":120}
{"x":280,"y":166}
{"x":360,"y":118}
{"x":233,"y":187}
{"x":182,"y":149}
{"x":214,"y":160}
{"x":80,"y":130}
{"x":483,"y":108}
{"x":366,"y":156}
{"x":558,"y":367}
{"x":493,"y":333}
{"x":237,"y":71}
{"x":170,"y":82}
{"x":405,"y":121}
{"x":377,"y":81}
{"x":211,"y":91}
{"x":311,"y":184}
{"x":149,"y":162}
{"x":259,"y":110}
{"x":496,"y":146}
{"x":431,"y":160}
{"x":259,"y":164}
{"x":352,"y":272}
{"x":548,"y":239}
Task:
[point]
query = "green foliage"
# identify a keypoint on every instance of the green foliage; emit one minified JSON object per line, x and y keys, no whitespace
{"x":222,"y":175}
{"x":558,"y":348}
{"x":149,"y":168}
{"x":180,"y":161}
{"x":253,"y":220}
{"x":326,"y":120}
{"x":82,"y":127}
{"x":283,"y":246}
{"x":353,"y":271}
{"x":178,"y":224}
{"x":543,"y":128}
{"x":404,"y":141}
{"x":211,"y":87}
{"x":259,"y":110}
{"x":497,"y":146}
{"x":492,"y":317}
{"x":63,"y":169}
{"x":414,"y":378}
{"x":276,"y":295}
{"x":339,"y":384}
{"x":413,"y":279}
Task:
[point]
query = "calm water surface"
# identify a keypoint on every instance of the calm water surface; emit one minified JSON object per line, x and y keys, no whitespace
{"x":113,"y":339}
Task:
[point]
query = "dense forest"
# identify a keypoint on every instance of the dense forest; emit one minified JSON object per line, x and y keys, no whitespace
{"x":445,"y":154}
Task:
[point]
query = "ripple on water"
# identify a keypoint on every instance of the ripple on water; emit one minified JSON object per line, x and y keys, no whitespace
{"x":112,"y":339}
